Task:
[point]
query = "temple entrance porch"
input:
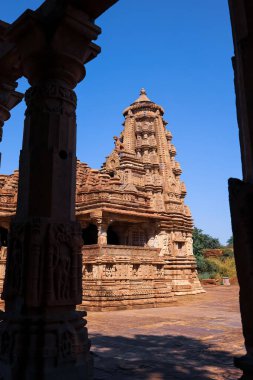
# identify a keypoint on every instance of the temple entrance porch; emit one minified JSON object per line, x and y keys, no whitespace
{"x":133,"y":261}
{"x":116,"y":231}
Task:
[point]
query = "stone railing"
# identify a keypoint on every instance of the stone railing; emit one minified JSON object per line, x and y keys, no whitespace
{"x":122,"y":250}
{"x":118,"y":263}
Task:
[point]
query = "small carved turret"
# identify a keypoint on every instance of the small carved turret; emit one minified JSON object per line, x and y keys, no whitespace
{"x":173,"y":150}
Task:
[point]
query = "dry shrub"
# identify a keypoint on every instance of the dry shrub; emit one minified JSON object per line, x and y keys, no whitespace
{"x":224,"y":267}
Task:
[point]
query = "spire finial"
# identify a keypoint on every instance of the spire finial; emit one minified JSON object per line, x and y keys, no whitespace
{"x":143,"y":96}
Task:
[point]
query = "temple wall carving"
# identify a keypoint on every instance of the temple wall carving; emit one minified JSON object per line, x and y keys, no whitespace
{"x":117,"y":277}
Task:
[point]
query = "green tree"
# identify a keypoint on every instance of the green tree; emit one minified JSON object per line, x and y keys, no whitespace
{"x":212,"y":267}
{"x":230,"y":242}
{"x":203,"y":241}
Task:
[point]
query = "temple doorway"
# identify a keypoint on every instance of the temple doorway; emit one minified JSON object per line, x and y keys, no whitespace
{"x":112,"y":236}
{"x":3,"y":237}
{"x":90,"y":235}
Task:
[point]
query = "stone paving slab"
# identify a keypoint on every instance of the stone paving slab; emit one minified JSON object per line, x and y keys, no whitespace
{"x":195,"y":338}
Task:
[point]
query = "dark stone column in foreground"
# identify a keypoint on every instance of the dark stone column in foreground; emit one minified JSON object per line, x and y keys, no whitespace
{"x":241,"y":192}
{"x":42,"y":336}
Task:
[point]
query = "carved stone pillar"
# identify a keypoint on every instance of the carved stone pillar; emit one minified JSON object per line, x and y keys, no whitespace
{"x":102,"y":233}
{"x":241,"y":192}
{"x":241,"y":205}
{"x":42,"y":336}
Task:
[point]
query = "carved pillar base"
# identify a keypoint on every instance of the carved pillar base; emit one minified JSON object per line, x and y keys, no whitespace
{"x":54,"y":346}
{"x":245,"y":363}
{"x":241,"y":206}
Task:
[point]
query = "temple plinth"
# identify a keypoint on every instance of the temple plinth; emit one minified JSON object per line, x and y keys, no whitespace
{"x":42,"y":335}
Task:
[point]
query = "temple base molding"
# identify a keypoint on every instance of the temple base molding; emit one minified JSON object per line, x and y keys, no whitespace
{"x":55,"y":344}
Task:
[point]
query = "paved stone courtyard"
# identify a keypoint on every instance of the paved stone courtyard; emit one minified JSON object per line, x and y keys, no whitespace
{"x":195,"y":338}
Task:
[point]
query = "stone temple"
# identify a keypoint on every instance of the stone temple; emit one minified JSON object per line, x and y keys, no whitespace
{"x":137,"y":231}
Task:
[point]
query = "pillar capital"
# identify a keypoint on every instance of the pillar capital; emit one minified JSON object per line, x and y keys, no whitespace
{"x":53,"y":47}
{"x":10,"y":71}
{"x":9,"y":98}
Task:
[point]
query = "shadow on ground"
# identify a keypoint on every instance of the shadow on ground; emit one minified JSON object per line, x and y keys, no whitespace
{"x":154,"y":357}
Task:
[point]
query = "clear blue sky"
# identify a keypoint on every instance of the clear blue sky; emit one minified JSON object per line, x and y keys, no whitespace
{"x":180,"y":51}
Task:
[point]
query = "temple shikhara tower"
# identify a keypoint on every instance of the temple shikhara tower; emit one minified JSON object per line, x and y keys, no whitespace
{"x":137,"y":231}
